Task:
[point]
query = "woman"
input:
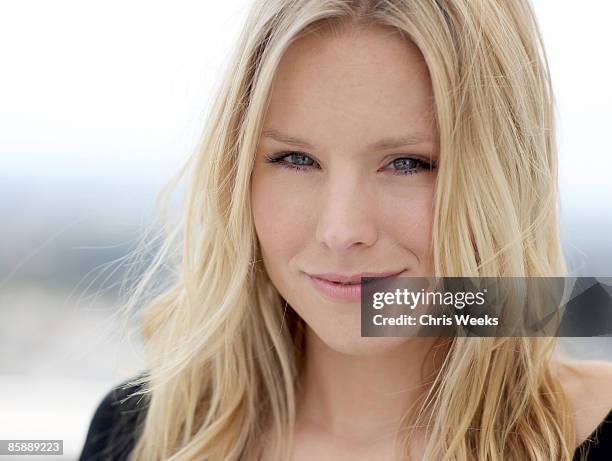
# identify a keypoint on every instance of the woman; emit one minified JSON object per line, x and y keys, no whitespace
{"x":350,"y":138}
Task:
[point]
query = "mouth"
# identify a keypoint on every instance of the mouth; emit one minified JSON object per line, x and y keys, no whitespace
{"x":345,"y":284}
{"x":355,"y":279}
{"x":344,"y":287}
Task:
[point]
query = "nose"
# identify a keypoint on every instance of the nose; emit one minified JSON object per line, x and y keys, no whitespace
{"x":346,"y":218}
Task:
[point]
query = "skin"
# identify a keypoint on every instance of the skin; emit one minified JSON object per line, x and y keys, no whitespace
{"x":351,"y":209}
{"x":332,"y":94}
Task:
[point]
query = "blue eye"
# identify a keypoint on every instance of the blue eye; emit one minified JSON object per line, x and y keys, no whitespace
{"x":303,"y":162}
{"x":411,"y":165}
{"x":294,"y":160}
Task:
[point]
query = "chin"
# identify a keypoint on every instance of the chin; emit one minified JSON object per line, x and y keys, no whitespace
{"x":354,"y":344}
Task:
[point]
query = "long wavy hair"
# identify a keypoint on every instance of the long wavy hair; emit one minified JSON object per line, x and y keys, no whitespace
{"x":223,"y":350}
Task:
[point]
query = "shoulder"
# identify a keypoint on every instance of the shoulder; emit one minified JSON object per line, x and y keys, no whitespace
{"x":113,"y":428}
{"x":588,"y":385}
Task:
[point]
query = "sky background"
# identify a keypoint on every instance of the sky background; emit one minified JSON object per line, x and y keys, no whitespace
{"x":102,"y":101}
{"x":116,"y":90}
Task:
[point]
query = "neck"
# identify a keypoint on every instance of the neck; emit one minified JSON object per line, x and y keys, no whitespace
{"x":364,"y":395}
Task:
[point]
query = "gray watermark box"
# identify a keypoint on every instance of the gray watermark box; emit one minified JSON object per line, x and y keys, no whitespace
{"x":31,"y":447}
{"x":486,"y":306}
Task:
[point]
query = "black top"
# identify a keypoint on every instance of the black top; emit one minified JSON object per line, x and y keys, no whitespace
{"x":116,"y":425}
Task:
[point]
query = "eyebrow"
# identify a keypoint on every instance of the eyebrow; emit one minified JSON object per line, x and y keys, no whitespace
{"x":385,"y":143}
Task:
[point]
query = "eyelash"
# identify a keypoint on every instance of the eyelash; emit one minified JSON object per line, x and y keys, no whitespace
{"x":279,"y":159}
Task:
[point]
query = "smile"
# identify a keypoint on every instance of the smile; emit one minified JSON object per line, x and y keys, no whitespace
{"x":344,"y":288}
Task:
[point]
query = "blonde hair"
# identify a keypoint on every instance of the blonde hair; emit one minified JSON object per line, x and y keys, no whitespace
{"x":223,"y":350}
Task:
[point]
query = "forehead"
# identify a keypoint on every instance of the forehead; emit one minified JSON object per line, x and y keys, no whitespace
{"x":352,"y":87}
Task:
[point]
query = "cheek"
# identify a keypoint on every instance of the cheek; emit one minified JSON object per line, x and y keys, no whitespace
{"x":408,"y":220}
{"x":281,"y":220}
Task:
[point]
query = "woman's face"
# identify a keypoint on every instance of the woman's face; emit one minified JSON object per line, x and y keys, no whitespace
{"x":344,"y":174}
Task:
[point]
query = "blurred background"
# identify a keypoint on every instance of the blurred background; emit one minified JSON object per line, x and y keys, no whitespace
{"x":101,"y":102}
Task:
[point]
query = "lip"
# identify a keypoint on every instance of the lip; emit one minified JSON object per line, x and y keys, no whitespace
{"x":333,"y":277}
{"x":324,"y":283}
